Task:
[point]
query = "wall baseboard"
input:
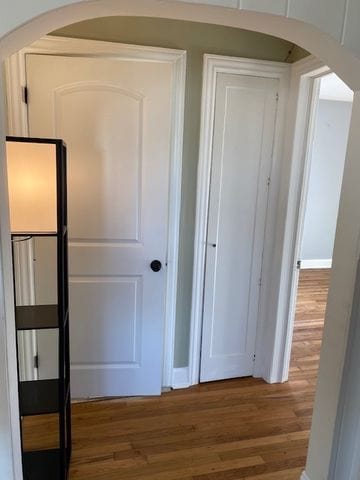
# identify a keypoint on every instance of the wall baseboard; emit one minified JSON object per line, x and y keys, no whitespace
{"x":304,"y":476}
{"x":316,"y":263}
{"x":180,"y":378}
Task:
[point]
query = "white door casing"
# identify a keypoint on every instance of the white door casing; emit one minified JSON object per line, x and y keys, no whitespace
{"x":301,"y":96}
{"x":308,"y":115}
{"x":244,"y":127}
{"x":173,"y":62}
{"x":213,"y":66}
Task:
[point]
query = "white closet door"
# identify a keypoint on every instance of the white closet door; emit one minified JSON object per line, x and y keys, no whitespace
{"x":244,"y":127}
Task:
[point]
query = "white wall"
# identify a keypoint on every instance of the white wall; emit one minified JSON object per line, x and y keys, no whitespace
{"x":340,"y":304}
{"x":10,"y":468}
{"x":334,"y":17}
{"x":327,"y":166}
{"x":345,"y":465}
{"x":307,"y":24}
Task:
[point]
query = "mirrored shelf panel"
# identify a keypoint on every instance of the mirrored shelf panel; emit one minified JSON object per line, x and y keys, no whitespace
{"x":36,"y":317}
{"x":38,"y":397}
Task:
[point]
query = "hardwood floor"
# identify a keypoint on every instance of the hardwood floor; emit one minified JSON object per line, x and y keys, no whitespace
{"x":229,"y":430}
{"x":309,"y":323}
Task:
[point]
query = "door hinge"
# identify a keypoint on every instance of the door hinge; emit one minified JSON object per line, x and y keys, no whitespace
{"x":260,"y":282}
{"x":36,"y":361}
{"x":25,"y":95}
{"x":268,"y":181}
{"x":277,"y":96}
{"x":298,"y":265}
{"x":254,"y":357}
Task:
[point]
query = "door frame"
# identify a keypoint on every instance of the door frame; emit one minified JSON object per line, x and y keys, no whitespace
{"x":214,"y":64}
{"x":15,"y":70}
{"x":306,"y":77}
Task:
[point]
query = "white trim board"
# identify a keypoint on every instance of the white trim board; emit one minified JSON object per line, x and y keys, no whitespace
{"x":304,"y":476}
{"x":18,"y":125}
{"x":180,"y":378}
{"x":9,"y":396}
{"x":316,"y":263}
{"x":214,"y":64}
{"x":303,"y":91}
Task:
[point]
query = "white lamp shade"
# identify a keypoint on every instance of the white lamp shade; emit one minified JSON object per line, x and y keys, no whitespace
{"x":32,"y":187}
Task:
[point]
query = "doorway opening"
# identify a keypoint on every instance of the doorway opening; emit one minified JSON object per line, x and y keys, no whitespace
{"x":329,"y":121}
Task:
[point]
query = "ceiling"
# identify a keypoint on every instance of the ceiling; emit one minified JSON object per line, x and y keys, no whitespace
{"x":332,"y":88}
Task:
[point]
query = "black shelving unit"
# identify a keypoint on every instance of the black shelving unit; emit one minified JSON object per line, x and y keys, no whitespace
{"x":40,"y":397}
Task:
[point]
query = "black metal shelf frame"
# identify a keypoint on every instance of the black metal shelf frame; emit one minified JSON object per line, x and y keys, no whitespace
{"x":41,"y":397}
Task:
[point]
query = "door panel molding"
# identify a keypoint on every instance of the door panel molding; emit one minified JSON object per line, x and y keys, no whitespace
{"x":214,"y":64}
{"x":18,"y":125}
{"x":130,"y":351}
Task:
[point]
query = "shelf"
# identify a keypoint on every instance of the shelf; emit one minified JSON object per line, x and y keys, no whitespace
{"x":42,"y":465}
{"x":49,"y":399}
{"x":36,"y":317}
{"x":39,"y":397}
{"x":34,"y":234}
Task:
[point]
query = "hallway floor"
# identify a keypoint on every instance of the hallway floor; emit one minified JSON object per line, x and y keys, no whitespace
{"x":228,"y":430}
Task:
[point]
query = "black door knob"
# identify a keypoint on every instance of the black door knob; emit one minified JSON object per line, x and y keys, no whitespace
{"x":155,"y":265}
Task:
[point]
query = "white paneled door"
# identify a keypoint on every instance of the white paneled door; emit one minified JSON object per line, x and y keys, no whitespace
{"x":244,"y":128}
{"x":115,"y":117}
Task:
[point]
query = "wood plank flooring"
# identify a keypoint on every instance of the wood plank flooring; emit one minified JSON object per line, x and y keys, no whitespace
{"x":309,"y":323}
{"x":229,"y":430}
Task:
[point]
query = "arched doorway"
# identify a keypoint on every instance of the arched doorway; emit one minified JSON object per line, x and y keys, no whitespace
{"x":343,"y":63}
